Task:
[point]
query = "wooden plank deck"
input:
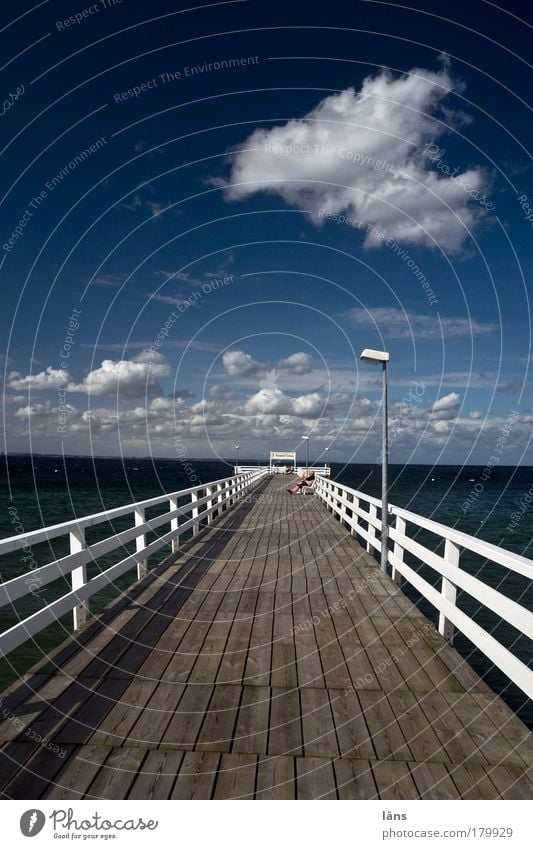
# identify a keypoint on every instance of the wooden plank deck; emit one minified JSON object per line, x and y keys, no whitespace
{"x":270,"y":659}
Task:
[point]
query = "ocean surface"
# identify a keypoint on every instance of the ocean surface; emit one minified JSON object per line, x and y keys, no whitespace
{"x":43,"y":490}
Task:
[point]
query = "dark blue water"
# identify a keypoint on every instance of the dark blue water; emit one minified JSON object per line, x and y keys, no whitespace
{"x":43,"y":490}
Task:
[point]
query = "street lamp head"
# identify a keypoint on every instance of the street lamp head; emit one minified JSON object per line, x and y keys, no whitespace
{"x":371,"y":356}
{"x":305,"y":437}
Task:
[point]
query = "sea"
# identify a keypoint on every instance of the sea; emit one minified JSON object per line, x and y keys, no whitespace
{"x":495,"y":505}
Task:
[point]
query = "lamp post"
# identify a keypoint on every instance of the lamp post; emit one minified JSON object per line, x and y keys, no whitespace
{"x":326,"y":452}
{"x":306,"y":440}
{"x":375,"y":357}
{"x":236,"y":457}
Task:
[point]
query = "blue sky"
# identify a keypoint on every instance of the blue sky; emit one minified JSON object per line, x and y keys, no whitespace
{"x":207,"y":214}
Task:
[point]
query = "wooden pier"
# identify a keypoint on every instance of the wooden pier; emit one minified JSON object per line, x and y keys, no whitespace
{"x":268,"y":658}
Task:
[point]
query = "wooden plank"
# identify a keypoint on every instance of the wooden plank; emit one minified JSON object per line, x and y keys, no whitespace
{"x":354,"y":779}
{"x":473,"y":781}
{"x":511,"y":782}
{"x":353,"y":735}
{"x":275,"y":778}
{"x":25,"y":705}
{"x":251,"y":730}
{"x":285,"y":723}
{"x":394,"y":780}
{"x":233,"y":661}
{"x":462,"y":671}
{"x":512,"y":728}
{"x":151,"y":725}
{"x":387,"y":736}
{"x":158,"y":775}
{"x":216,"y":733}
{"x":455,"y":739}
{"x":315,"y":779}
{"x":182,"y":731}
{"x":308,"y":664}
{"x":117,"y":774}
{"x":84,"y":713}
{"x":319,"y":738}
{"x":118,"y":723}
{"x":411,"y":670}
{"x":12,"y":757}
{"x":416,"y":728}
{"x":491,"y":742}
{"x":73,"y":781}
{"x":196,"y":776}
{"x":284,"y":669}
{"x":236,"y":777}
{"x":435,"y":669}
{"x":37,"y":773}
{"x":386,"y":672}
{"x":433,"y":781}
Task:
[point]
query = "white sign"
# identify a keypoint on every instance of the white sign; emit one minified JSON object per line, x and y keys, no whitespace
{"x":283,"y":455}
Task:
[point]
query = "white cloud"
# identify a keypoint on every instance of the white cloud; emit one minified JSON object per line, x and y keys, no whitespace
{"x":51,"y":378}
{"x":299,"y":363}
{"x":239,"y":364}
{"x":446,"y":407}
{"x":362,"y":153}
{"x":275,"y":401}
{"x":405,"y":324}
{"x":133,"y":378}
{"x":172,"y":300}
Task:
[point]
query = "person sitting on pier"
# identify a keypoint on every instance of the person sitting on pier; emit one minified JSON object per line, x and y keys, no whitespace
{"x":306,"y":480}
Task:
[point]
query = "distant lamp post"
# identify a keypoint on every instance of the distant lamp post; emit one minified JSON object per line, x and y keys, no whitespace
{"x":237,"y":456}
{"x":306,"y":440}
{"x":326,"y":452}
{"x":375,"y":357}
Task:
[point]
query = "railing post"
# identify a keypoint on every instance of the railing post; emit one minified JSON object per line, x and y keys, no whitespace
{"x":227,"y":495}
{"x":194,"y":513}
{"x":219,"y":498}
{"x":373,"y":510}
{"x":140,"y":544}
{"x":79,"y":577}
{"x":174,"y":525}
{"x":452,"y":553}
{"x":343,"y":517}
{"x":398,"y":550}
{"x":355,"y":518}
{"x":209,"y":491}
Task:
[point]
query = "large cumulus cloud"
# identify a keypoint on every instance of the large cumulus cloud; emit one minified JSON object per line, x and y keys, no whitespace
{"x":365,"y":153}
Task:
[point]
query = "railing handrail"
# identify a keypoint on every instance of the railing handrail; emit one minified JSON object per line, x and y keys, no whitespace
{"x":215,"y":496}
{"x":447,"y":566}
{"x":8,"y":544}
{"x":474,"y":544}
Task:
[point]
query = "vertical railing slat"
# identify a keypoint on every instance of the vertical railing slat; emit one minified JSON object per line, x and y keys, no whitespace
{"x":209,"y":505}
{"x":79,"y":577}
{"x":398,"y":550}
{"x":140,"y":543}
{"x":452,"y":554}
{"x":373,"y":510}
{"x":194,"y":513}
{"x":174,"y":525}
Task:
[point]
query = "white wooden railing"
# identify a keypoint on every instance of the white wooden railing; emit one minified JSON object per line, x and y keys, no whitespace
{"x":362,"y":515}
{"x":200,"y":505}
